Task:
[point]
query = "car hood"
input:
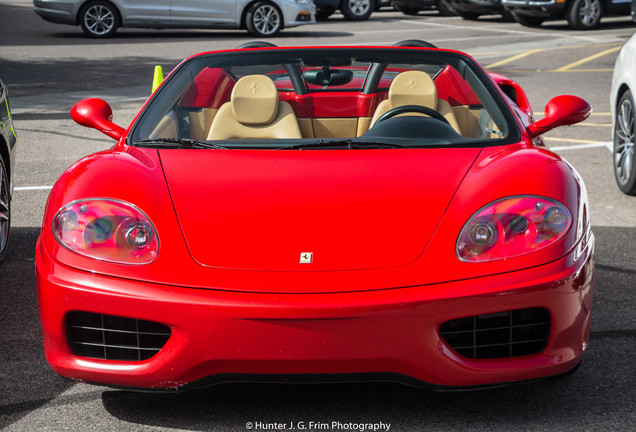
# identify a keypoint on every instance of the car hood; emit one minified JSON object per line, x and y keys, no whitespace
{"x":311,"y":210}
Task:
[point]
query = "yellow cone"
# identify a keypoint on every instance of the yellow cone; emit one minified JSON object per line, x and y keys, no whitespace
{"x":157,"y":78}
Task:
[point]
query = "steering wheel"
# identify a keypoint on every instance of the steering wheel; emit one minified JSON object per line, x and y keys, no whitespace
{"x":412,"y":108}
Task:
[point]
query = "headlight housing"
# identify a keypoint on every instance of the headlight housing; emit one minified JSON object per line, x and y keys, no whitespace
{"x":107,"y":230}
{"x":512,"y":227}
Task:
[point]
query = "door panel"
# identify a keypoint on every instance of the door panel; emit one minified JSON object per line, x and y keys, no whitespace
{"x":145,"y":11}
{"x":202,"y":12}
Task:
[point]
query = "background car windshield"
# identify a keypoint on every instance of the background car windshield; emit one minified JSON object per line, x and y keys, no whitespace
{"x":442,"y":98}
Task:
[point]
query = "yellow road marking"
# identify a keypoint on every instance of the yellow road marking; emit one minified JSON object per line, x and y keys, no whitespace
{"x":587,"y":59}
{"x":545,"y":49}
{"x":513,"y":58}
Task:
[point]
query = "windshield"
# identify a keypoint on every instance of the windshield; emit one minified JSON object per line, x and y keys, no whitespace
{"x":338,"y":97}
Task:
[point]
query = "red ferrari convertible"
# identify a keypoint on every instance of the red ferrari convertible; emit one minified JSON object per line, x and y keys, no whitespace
{"x":320,"y":213}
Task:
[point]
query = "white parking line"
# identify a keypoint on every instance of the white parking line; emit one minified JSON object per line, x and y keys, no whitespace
{"x":607,"y":144}
{"x":32,"y":188}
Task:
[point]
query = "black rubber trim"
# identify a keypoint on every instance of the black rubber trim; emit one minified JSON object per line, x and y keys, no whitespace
{"x":356,"y":378}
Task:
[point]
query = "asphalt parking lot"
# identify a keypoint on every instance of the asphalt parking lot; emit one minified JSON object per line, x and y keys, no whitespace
{"x":49,"y":67}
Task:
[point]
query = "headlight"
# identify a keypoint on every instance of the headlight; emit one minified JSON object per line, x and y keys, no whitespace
{"x":107,"y":230}
{"x":512,"y":227}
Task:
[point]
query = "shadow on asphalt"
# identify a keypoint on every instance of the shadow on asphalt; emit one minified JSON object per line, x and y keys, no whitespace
{"x":566,"y":403}
{"x":39,"y":77}
{"x":600,"y":394}
{"x":26,"y":380}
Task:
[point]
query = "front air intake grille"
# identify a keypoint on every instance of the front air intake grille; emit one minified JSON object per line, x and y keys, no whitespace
{"x":114,"y":338}
{"x":499,"y":335}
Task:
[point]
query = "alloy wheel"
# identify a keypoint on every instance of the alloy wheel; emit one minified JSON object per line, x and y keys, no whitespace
{"x":359,"y":7}
{"x":5,"y":210}
{"x":99,"y":20}
{"x":590,"y":12}
{"x":624,"y":141}
{"x":267,"y":19}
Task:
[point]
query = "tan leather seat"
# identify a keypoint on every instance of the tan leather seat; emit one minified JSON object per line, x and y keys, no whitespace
{"x":415,"y":88}
{"x":254,"y":111}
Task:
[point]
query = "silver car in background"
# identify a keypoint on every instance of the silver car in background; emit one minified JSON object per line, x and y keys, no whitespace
{"x":101,"y":18}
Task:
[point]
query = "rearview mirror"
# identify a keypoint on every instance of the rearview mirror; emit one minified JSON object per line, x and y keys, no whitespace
{"x":97,"y":114}
{"x":328,"y":77}
{"x":562,"y":110}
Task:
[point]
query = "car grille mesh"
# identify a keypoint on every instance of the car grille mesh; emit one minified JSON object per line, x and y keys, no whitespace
{"x":499,"y":335}
{"x":114,"y":338}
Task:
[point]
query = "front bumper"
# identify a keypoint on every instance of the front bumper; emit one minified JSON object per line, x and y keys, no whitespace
{"x":327,"y":4}
{"x":537,"y":8}
{"x":296,"y":14}
{"x":481,"y":7}
{"x":420,"y":4}
{"x":56,"y":11}
{"x":217,"y":335}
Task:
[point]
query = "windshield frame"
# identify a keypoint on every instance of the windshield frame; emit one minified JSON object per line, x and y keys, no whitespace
{"x":482,"y":84}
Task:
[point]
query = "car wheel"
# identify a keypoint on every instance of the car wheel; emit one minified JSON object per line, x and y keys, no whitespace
{"x":468,"y":16}
{"x":584,"y":14}
{"x":408,"y":10}
{"x":507,"y":16}
{"x":527,"y":20}
{"x":324,"y":13}
{"x":357,"y":10}
{"x":445,"y":9}
{"x":624,"y":164}
{"x":99,"y":19}
{"x":5,"y":210}
{"x":263,"y":19}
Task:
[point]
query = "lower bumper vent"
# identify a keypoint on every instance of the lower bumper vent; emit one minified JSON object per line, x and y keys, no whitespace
{"x":114,"y":338}
{"x":499,"y":335}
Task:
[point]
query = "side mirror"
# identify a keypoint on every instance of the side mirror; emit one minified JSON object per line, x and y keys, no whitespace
{"x":561,"y":111}
{"x":97,"y":114}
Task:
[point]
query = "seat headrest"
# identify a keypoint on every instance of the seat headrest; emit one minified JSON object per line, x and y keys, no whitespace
{"x":413,"y":88}
{"x":254,"y":100}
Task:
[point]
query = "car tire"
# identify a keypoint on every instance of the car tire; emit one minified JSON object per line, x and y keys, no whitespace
{"x":507,"y":16}
{"x":357,"y":10}
{"x":324,"y":13}
{"x":528,"y":20}
{"x":99,"y":19}
{"x":5,"y":210}
{"x":468,"y":16}
{"x":263,"y":19}
{"x":624,"y":135}
{"x":445,"y":9}
{"x":584,"y":14}
{"x":408,"y":10}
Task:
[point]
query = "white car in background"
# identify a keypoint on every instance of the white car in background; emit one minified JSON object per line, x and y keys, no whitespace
{"x":101,"y":18}
{"x":622,"y":95}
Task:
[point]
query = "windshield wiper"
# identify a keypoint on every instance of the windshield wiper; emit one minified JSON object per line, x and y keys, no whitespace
{"x":348,"y":144}
{"x":178,"y":143}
